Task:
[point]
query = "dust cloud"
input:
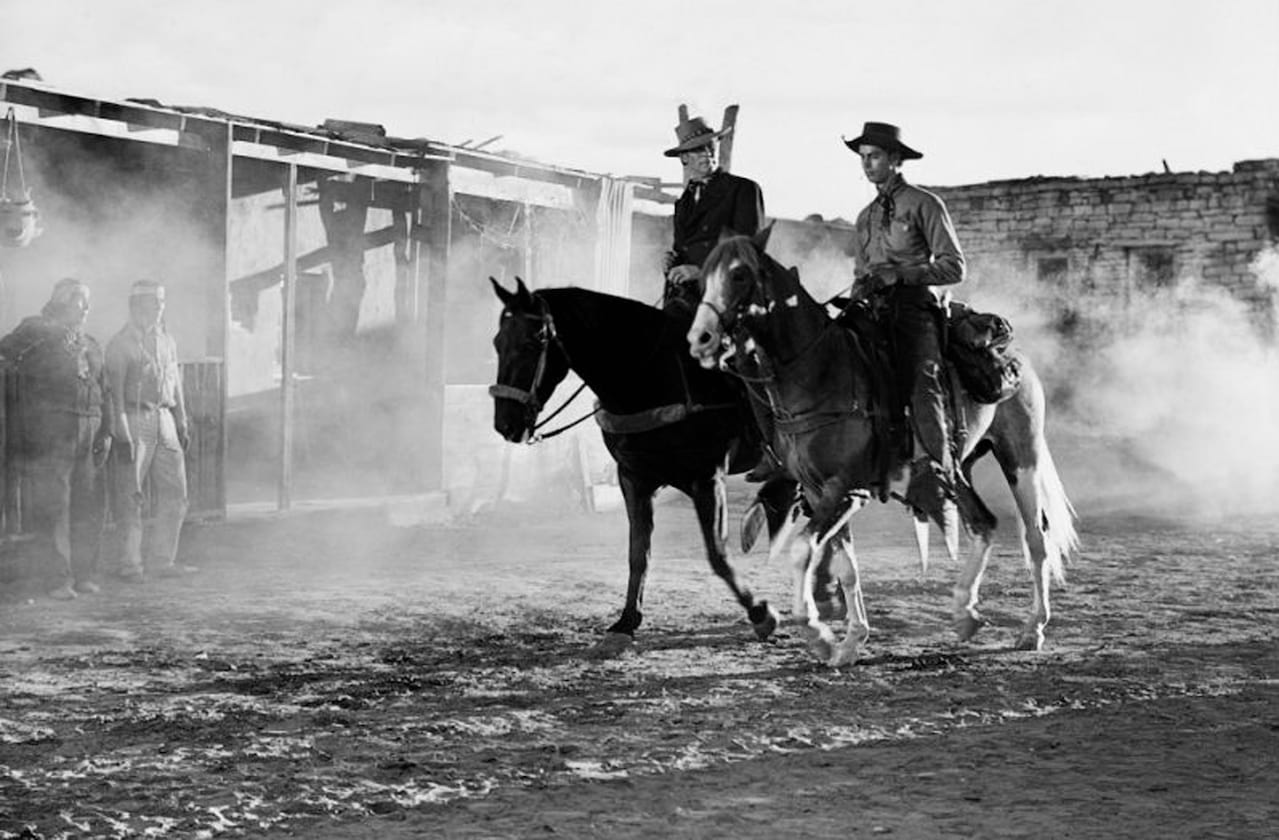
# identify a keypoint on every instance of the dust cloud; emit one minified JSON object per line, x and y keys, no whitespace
{"x":1161,"y":399}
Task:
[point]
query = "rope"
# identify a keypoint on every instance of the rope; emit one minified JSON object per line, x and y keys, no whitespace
{"x":13,"y":148}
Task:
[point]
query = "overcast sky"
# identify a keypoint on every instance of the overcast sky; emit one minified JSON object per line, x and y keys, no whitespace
{"x":987,"y":90}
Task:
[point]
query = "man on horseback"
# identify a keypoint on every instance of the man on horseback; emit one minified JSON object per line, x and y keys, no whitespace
{"x":904,"y":248}
{"x":713,"y":201}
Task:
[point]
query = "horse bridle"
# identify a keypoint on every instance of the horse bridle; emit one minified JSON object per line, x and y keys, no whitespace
{"x":730,"y":318}
{"x":545,"y":335}
{"x":734,"y":328}
{"x":529,"y":399}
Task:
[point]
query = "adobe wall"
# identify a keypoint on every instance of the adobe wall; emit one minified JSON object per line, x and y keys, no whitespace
{"x":1110,"y":236}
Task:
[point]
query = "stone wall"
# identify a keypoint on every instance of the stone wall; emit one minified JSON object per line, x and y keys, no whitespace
{"x":1117,"y":237}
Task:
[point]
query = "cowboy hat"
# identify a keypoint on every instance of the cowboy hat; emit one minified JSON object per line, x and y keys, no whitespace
{"x":885,"y":136}
{"x":693,"y":134}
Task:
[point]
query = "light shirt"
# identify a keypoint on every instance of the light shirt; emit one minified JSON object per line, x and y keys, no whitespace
{"x":142,"y":372}
{"x":908,"y":227}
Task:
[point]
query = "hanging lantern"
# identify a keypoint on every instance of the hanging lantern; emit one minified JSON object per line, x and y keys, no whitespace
{"x":19,"y":218}
{"x":19,"y":222}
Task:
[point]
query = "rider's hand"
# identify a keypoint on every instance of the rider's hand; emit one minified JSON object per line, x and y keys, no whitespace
{"x":864,"y":287}
{"x":683,"y":273}
{"x":101,"y":449}
{"x":669,"y":260}
{"x":886,"y":274}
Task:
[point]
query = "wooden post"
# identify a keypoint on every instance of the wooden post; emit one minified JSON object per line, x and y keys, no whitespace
{"x":726,"y":144}
{"x":206,"y":456}
{"x":287,"y":328}
{"x":437,"y":216}
{"x":527,"y":245}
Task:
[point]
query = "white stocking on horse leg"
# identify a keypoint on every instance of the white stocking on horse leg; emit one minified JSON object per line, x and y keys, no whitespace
{"x":967,"y":620}
{"x":1027,"y":495}
{"x":818,"y":636}
{"x":844,"y":561}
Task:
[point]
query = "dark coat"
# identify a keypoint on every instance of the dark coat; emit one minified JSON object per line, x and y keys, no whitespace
{"x":728,"y":202}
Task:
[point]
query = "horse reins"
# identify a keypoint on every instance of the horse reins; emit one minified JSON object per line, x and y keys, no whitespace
{"x":529,"y":398}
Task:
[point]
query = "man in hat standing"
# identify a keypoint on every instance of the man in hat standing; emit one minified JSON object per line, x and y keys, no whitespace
{"x":62,"y":438}
{"x":713,"y":201}
{"x":904,"y":249}
{"x":149,"y":421}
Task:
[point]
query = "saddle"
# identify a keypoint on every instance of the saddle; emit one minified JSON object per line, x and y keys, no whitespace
{"x":976,"y":347}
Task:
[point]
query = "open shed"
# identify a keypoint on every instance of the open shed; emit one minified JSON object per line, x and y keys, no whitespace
{"x":327,"y":285}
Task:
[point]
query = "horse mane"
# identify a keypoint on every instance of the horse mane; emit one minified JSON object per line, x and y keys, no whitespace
{"x":628,"y":322}
{"x":630,"y":353}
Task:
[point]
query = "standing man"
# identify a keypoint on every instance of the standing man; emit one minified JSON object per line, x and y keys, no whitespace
{"x":904,"y":249}
{"x":62,"y":436}
{"x":149,"y":420}
{"x":713,"y":201}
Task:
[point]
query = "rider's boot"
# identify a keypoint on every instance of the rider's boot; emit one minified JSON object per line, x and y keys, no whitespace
{"x":933,"y":476}
{"x":768,"y":467}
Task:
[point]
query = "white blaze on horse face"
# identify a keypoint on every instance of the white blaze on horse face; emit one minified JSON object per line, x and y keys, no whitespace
{"x":705,"y":336}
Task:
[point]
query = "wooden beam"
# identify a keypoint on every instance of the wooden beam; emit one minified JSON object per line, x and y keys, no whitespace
{"x":218,"y":302}
{"x":437,"y":220}
{"x":288,"y":323}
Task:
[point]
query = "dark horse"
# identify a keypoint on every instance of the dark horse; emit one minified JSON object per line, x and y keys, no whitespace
{"x":818,"y":389}
{"x":666,"y":421}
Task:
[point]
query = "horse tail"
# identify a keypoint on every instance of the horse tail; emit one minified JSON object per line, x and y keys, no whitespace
{"x":1056,"y":516}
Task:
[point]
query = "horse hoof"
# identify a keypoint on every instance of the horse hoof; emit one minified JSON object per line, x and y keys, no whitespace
{"x":1031,"y":640}
{"x":611,"y":646}
{"x":967,"y":627}
{"x":818,"y":645}
{"x":765,"y":627}
{"x":845,"y":656}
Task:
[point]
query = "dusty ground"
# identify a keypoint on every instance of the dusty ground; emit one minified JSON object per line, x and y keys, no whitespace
{"x":338,"y":677}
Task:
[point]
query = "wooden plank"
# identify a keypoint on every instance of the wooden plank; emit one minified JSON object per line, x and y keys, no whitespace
{"x":203,"y":387}
{"x":726,"y":145}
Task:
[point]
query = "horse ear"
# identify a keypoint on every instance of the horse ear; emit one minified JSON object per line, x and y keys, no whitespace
{"x":502,"y":294}
{"x":760,"y":240}
{"x":521,"y":290}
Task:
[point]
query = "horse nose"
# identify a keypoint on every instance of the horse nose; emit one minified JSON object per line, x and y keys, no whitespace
{"x":698,"y":340}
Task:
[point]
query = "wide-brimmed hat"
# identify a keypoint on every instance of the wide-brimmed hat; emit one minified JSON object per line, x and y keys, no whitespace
{"x":885,"y":136}
{"x":693,"y":134}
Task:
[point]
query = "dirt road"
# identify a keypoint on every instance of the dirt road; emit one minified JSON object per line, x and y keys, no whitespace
{"x":340,"y":677}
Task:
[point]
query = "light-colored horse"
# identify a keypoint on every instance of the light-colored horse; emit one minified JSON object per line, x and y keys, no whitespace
{"x":818,"y":393}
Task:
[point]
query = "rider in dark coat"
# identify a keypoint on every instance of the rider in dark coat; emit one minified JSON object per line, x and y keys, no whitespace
{"x":713,"y":201}
{"x":904,"y":249}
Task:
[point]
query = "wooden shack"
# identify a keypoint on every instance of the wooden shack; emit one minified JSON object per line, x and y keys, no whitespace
{"x":327,"y":284}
